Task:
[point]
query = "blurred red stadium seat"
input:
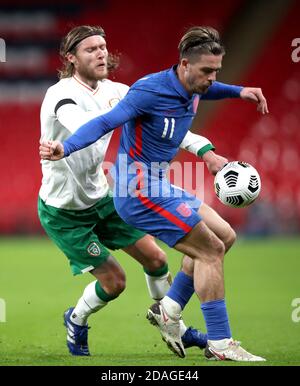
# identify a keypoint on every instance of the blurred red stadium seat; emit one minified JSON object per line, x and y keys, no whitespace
{"x":270,"y":143}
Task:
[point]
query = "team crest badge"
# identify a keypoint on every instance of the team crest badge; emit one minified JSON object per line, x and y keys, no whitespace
{"x":94,"y":249}
{"x":113,"y":102}
{"x":184,"y":210}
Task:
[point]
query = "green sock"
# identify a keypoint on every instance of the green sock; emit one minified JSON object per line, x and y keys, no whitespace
{"x":102,"y":294}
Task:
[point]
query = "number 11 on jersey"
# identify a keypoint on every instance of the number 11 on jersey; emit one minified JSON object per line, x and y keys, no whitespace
{"x":166,"y":128}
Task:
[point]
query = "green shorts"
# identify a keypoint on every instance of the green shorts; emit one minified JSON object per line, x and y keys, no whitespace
{"x":85,"y":235}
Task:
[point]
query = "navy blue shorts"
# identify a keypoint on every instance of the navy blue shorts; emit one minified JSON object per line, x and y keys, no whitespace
{"x":167,"y":218}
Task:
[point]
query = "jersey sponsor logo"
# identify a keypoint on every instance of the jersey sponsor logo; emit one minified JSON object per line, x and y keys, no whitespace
{"x":184,"y":210}
{"x":94,"y":249}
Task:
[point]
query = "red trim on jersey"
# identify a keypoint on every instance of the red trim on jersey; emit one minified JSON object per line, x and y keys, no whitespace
{"x":131,"y":152}
{"x":163,"y":212}
{"x":86,"y":86}
{"x":138,"y":137}
{"x":137,"y":148}
{"x":140,"y":176}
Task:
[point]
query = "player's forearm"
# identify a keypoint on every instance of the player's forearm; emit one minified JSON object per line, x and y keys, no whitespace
{"x":87,"y":134}
{"x":91,"y":131}
{"x":220,"y":90}
{"x":196,"y":144}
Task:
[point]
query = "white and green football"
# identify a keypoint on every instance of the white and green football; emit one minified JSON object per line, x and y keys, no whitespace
{"x":237,"y":184}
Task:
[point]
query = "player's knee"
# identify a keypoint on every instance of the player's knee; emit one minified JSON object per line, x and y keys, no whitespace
{"x":187,"y":265}
{"x":116,"y":284}
{"x":120,"y":286}
{"x":214,"y":253}
{"x":218,"y":250}
{"x":158,"y":260}
{"x":120,"y":282}
{"x":230,"y":238}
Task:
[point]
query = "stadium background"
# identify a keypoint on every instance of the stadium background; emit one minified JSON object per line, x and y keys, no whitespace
{"x":258,"y":35}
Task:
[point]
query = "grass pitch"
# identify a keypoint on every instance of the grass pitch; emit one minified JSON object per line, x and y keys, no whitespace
{"x":262,"y":279}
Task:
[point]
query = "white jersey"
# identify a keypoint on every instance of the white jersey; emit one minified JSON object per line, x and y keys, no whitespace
{"x":78,"y":181}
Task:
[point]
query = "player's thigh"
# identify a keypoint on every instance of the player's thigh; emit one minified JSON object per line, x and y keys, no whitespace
{"x":113,"y":231}
{"x":73,"y":233}
{"x":168,"y":216}
{"x":201,"y":243}
{"x":217,"y":224}
{"x":220,"y":228}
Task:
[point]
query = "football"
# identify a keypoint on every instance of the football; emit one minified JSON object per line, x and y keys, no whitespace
{"x":237,"y":184}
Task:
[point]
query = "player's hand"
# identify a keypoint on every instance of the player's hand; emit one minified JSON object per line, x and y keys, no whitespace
{"x":214,"y":162}
{"x":51,"y":150}
{"x":255,"y":95}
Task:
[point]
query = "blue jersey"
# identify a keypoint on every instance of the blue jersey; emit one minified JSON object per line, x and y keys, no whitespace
{"x":156,"y":113}
{"x":162,"y":112}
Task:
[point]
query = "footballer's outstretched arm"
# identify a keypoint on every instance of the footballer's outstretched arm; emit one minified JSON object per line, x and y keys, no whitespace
{"x":202,"y":147}
{"x":130,"y":107}
{"x":196,"y":144}
{"x":220,"y":90}
{"x":87,"y":134}
{"x":72,"y":116}
{"x":255,"y":95}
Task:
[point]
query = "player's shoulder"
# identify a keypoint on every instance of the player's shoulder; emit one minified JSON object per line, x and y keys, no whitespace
{"x":61,"y":84}
{"x":152,"y":82}
{"x":60,"y":88}
{"x":118,"y":87}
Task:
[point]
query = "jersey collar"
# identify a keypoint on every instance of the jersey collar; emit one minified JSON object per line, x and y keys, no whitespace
{"x":93,"y":91}
{"x":177,"y":84}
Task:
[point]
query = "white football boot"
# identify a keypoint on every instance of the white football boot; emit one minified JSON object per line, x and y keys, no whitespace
{"x":169,"y":328}
{"x":231,"y":351}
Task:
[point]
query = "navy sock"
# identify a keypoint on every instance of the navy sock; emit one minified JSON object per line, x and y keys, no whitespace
{"x":181,"y":289}
{"x":216,"y":319}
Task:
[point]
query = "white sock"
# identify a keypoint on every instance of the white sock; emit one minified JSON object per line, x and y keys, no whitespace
{"x":87,"y":305}
{"x":171,"y":308}
{"x":158,"y":286}
{"x":183,"y":327}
